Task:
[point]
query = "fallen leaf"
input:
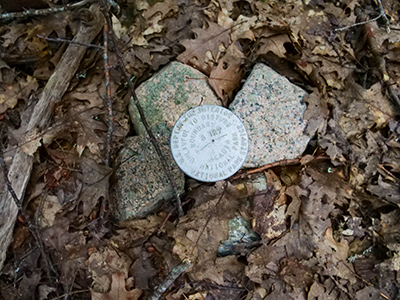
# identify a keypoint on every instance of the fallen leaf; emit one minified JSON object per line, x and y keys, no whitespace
{"x":20,"y":89}
{"x":103,"y":262}
{"x":199,"y":233}
{"x":95,"y":184}
{"x":118,"y":290}
{"x":207,"y":40}
{"x":226,"y":77}
{"x":87,"y":126}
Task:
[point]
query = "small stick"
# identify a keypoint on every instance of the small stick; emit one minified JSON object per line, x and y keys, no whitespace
{"x":108,"y":97}
{"x":69,"y":42}
{"x":43,"y":12}
{"x":386,"y":22}
{"x":358,"y":24}
{"x":21,"y":167}
{"x":280,"y":163}
{"x":382,"y":15}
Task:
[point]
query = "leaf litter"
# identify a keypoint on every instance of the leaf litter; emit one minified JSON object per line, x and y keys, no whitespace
{"x":327,"y":227}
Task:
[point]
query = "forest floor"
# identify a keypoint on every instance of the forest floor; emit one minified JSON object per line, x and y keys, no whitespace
{"x":328,"y":222}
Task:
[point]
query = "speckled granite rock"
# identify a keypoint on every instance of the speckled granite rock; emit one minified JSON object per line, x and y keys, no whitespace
{"x":271,"y":109}
{"x":141,"y":186}
{"x":168,"y":94}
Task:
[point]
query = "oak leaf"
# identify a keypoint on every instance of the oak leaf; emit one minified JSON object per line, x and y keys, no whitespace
{"x":226,"y":77}
{"x":20,"y":89}
{"x":86,"y":127}
{"x":118,"y":290}
{"x":207,"y":40}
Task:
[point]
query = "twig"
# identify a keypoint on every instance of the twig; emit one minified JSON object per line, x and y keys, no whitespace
{"x":280,"y":163}
{"x":43,"y":12}
{"x":357,"y":24}
{"x":172,"y":276}
{"x":382,"y":15}
{"x":69,"y":42}
{"x":8,"y":184}
{"x":108,"y":99}
{"x":71,"y":293}
{"x":136,"y":101}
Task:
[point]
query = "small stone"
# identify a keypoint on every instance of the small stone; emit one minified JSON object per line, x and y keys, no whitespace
{"x":271,"y":109}
{"x":141,"y":186}
{"x":167,"y":95}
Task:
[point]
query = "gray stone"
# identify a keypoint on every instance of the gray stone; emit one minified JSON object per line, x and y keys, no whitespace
{"x":140,"y":183}
{"x":271,"y":109}
{"x":167,"y":95}
{"x":141,"y":186}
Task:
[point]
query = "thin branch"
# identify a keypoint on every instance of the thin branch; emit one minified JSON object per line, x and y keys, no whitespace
{"x":358,"y":24}
{"x":43,"y":12}
{"x":69,"y":42}
{"x":108,"y":98}
{"x":280,"y":163}
{"x":382,"y":14}
{"x":14,"y":196}
{"x":136,"y":101}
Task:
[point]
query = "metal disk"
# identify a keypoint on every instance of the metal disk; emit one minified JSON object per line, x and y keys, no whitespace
{"x":209,"y":143}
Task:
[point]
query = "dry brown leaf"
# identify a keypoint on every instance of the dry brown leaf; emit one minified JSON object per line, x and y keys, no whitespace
{"x":87,"y":126}
{"x":226,"y":77}
{"x":269,"y":209}
{"x":207,"y":40}
{"x":95,"y":184}
{"x":91,"y":90}
{"x":199,"y":233}
{"x":341,"y":248}
{"x":164,"y":8}
{"x":274,"y":44}
{"x":152,"y":22}
{"x":118,"y":290}
{"x":50,"y":207}
{"x":20,"y":89}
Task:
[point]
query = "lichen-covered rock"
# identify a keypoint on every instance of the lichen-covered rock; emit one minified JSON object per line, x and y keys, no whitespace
{"x":141,"y":186}
{"x":271,"y":109}
{"x":167,"y":95}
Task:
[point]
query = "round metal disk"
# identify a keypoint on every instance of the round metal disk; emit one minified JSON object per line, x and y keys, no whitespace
{"x":209,"y":143}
